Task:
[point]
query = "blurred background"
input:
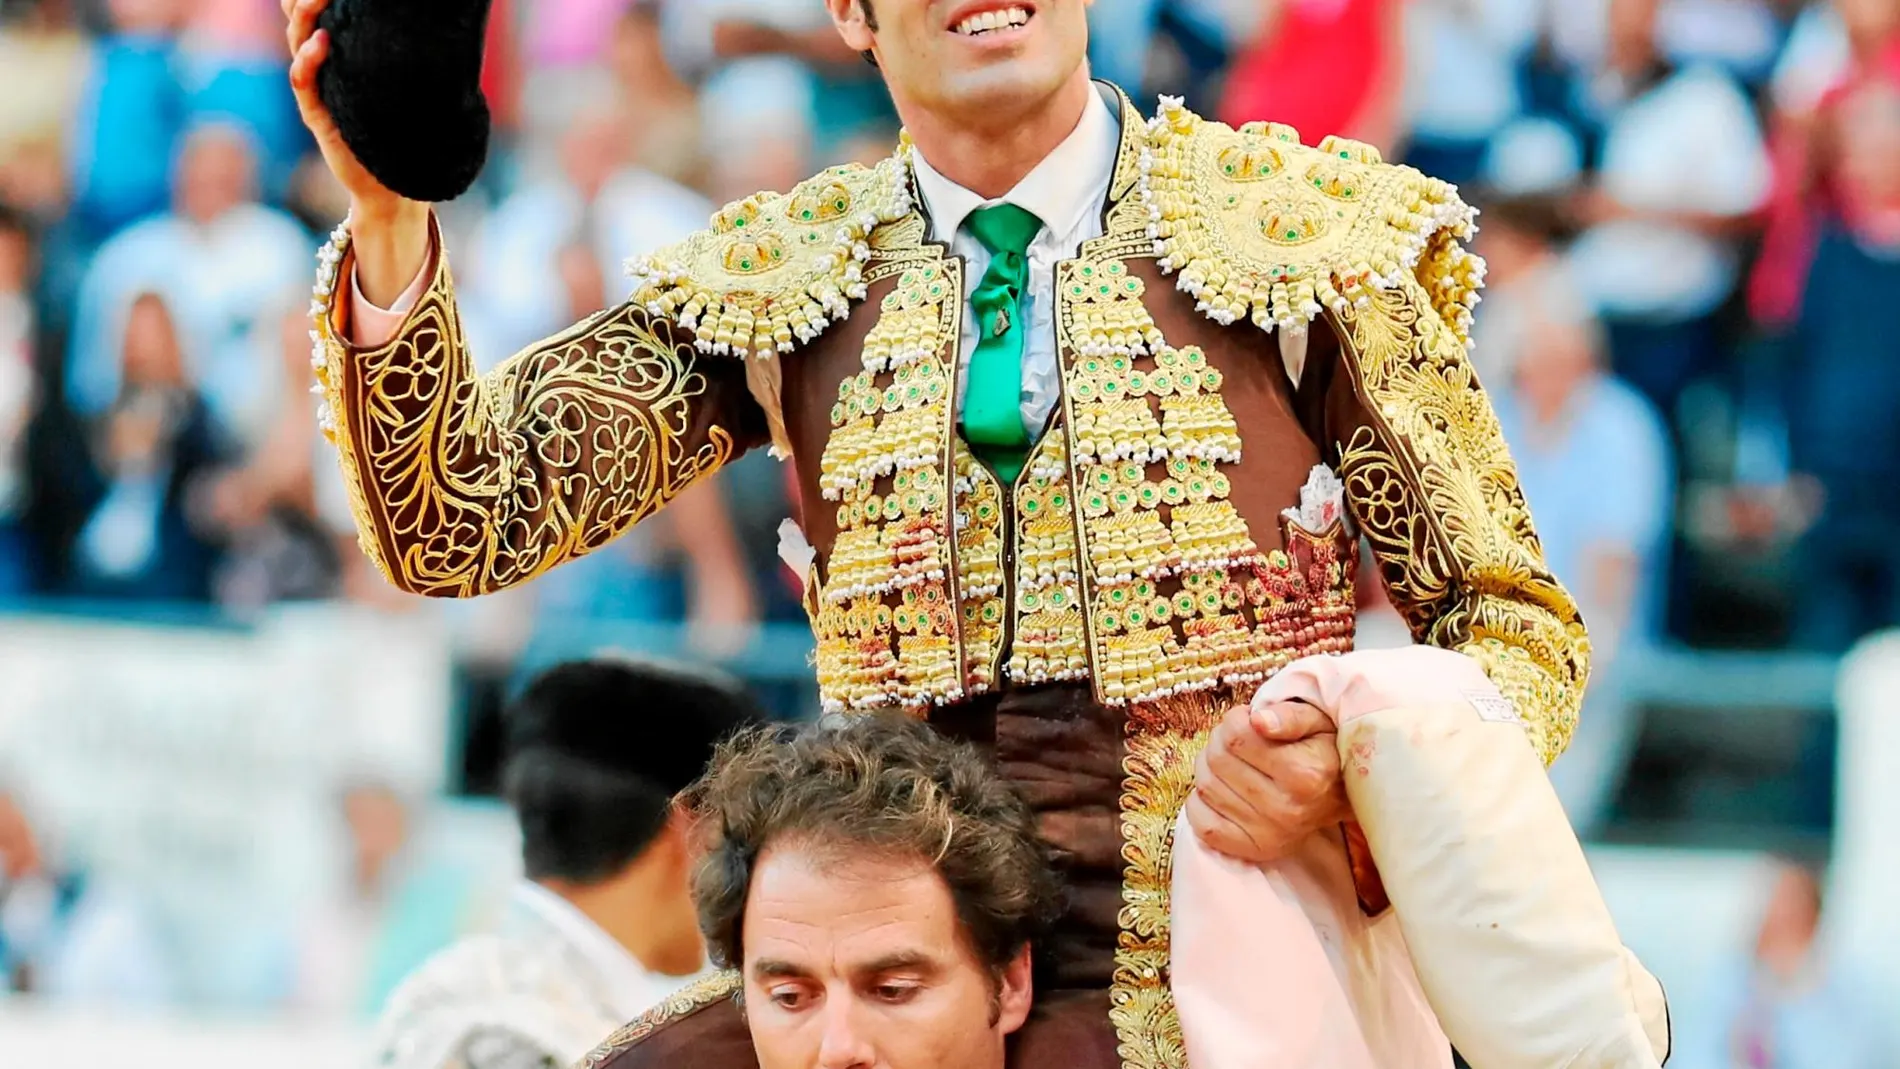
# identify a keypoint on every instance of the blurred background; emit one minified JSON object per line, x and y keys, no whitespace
{"x":245,"y":786}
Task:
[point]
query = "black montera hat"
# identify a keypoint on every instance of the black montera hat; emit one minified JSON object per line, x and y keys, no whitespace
{"x":403,"y":81}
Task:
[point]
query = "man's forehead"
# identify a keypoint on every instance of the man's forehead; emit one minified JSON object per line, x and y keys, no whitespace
{"x":843,"y":910}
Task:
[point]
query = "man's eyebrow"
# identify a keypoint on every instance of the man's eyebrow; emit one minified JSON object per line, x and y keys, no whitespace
{"x":774,"y":969}
{"x":900,"y":961}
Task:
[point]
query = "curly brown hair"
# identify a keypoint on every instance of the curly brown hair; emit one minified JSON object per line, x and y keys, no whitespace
{"x":880,"y":783}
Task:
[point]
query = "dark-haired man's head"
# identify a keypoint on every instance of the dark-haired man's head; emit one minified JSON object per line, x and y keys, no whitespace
{"x":880,"y":888}
{"x":596,"y":753}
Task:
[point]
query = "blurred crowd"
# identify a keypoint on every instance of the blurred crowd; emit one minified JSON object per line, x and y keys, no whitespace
{"x":1691,"y":212}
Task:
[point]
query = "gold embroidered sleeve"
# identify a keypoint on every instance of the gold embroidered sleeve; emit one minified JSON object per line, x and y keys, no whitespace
{"x":1431,"y":483}
{"x":463,"y":484}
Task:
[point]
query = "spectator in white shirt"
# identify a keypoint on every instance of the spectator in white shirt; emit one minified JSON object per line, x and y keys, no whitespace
{"x":227,"y":266}
{"x":1461,"y":79}
{"x":1683,"y":170}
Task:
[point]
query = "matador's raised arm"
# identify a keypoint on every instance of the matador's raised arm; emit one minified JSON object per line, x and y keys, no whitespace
{"x":464,"y":484}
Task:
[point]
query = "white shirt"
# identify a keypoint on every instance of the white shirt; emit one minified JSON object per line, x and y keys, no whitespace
{"x":1689,"y":144}
{"x":1068,"y":191}
{"x":628,"y":987}
{"x":550,"y":985}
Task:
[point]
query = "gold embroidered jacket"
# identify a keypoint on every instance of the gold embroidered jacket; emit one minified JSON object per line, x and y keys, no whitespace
{"x":466,"y":485}
{"x":1263,"y":358}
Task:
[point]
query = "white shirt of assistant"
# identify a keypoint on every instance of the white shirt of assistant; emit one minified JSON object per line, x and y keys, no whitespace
{"x":630,"y":989}
{"x":547,"y":986}
{"x":1068,"y":191}
{"x":1691,"y":143}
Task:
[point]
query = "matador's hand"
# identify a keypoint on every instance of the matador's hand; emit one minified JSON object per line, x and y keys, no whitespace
{"x":309,"y":47}
{"x":1266,"y":781}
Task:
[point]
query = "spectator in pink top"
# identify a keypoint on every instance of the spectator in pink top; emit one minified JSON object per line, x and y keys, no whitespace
{"x":1812,"y":186}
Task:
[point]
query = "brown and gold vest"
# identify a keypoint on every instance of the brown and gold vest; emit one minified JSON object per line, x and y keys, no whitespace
{"x":1146,"y":547}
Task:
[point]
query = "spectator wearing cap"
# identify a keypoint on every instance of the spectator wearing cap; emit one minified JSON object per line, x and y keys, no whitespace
{"x":1528,"y":173}
{"x":603,"y":927}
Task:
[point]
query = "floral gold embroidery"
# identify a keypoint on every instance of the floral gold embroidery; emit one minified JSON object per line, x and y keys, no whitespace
{"x":1164,"y":738}
{"x":979,"y":568}
{"x":1049,"y":641}
{"x":774,"y":272}
{"x":890,"y":631}
{"x":1175,"y":595}
{"x":685,"y":1002}
{"x":1431,"y":482}
{"x":1267,"y":250}
{"x":453,"y":478}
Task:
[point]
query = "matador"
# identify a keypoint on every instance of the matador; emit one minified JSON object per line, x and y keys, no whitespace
{"x":1089,"y":411}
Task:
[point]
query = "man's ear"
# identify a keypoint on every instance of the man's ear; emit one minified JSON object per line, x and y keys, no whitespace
{"x":853,"y":26}
{"x":1015,"y":995}
{"x":687,"y":832}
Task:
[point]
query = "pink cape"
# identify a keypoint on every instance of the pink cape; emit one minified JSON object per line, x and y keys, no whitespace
{"x":1276,"y":966}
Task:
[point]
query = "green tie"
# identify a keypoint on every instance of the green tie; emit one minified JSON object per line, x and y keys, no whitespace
{"x":992,"y":402}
